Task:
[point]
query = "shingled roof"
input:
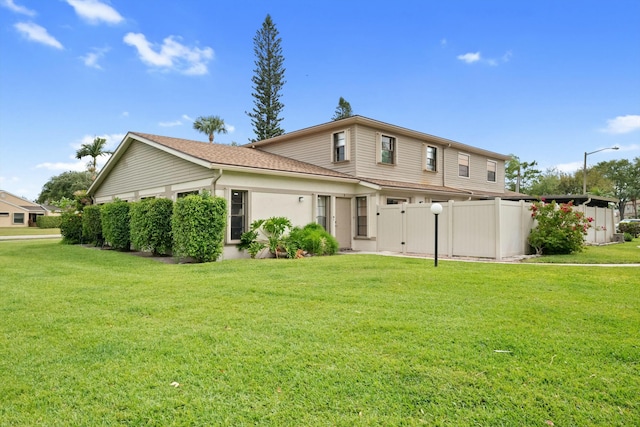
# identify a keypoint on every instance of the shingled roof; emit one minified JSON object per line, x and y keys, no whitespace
{"x":227,"y":155}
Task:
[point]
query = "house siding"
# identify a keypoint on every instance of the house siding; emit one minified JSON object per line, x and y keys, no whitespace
{"x":143,"y":167}
{"x":318,"y":150}
{"x":477,"y":172}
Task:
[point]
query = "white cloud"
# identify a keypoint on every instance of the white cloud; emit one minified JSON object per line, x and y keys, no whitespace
{"x":38,"y":34}
{"x":125,"y":114}
{"x":623,"y":124}
{"x":94,"y":12}
{"x":569,"y":167}
{"x":91,"y":59}
{"x":78,"y":166}
{"x":11,"y":5}
{"x":230,"y":128}
{"x":172,"y":55}
{"x":443,"y":42}
{"x":184,"y":116}
{"x":170,"y":124}
{"x":470,"y":58}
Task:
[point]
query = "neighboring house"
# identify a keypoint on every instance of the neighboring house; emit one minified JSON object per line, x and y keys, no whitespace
{"x":335,"y":174}
{"x":631,"y":209}
{"x":18,"y":212}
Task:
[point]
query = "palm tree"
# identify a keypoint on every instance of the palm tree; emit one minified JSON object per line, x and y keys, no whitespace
{"x":209,"y":125}
{"x":93,"y":150}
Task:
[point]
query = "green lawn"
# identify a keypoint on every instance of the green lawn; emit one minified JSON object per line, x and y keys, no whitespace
{"x":620,"y":253}
{"x":27,"y":231}
{"x":91,"y":337}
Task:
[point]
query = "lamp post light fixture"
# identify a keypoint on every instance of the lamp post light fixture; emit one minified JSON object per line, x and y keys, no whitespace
{"x":436,"y":209}
{"x":584,"y":169}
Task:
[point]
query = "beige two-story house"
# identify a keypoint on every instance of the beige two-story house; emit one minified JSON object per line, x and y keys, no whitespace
{"x":335,"y":174}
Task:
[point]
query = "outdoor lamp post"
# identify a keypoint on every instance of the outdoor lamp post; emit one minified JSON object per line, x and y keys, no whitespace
{"x":584,"y":169}
{"x":436,"y":209}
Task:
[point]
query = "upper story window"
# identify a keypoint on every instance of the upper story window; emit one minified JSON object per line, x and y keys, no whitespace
{"x":387,"y":150}
{"x":339,"y":147}
{"x":431,"y":158}
{"x":492,"y":168}
{"x":463,"y":165}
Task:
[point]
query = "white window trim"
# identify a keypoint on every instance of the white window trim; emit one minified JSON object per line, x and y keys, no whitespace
{"x":495,"y":164}
{"x":425,"y":147}
{"x":379,"y":136}
{"x":468,"y":165}
{"x":347,"y":146}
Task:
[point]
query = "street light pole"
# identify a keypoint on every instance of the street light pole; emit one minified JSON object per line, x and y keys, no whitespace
{"x":436,"y":209}
{"x":584,"y":168}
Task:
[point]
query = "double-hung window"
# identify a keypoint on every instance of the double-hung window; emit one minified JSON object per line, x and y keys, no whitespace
{"x":322,"y":211}
{"x":18,"y":218}
{"x":238,"y":213}
{"x":492,"y":168}
{"x":463,"y":165}
{"x":387,"y":150}
{"x":431,"y":158}
{"x":339,"y":147}
{"x":361,"y":216}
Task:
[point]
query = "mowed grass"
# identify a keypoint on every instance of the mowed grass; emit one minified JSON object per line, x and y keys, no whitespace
{"x":92,"y":337}
{"x":27,"y":231}
{"x":619,"y":253}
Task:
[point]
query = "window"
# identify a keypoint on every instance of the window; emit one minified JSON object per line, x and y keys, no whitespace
{"x":361,"y":207}
{"x":463,"y":165}
{"x":322,"y":211}
{"x":238,"y":213}
{"x":339,"y":147}
{"x":4,"y":213}
{"x":187,"y":193}
{"x":492,"y":167}
{"x":430,"y":155}
{"x":395,"y":201}
{"x":387,"y":150}
{"x":18,"y":218}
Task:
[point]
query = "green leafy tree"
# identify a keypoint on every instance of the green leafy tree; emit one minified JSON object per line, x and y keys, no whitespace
{"x":93,"y":150}
{"x":64,"y":186}
{"x":559,"y":229}
{"x":521,"y":176}
{"x":209,"y":125}
{"x":343,"y":110}
{"x":268,"y":81}
{"x":624,"y":176}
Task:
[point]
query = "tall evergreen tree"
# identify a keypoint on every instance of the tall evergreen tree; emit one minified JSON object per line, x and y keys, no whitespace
{"x":268,"y":81}
{"x":343,"y":110}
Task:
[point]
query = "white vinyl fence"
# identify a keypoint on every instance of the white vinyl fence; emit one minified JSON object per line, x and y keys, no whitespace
{"x":485,"y":229}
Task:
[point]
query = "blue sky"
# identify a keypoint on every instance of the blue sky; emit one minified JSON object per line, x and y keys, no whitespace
{"x":545,"y":80}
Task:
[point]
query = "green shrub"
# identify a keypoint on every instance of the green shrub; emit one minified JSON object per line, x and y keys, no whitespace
{"x":560,"y":229}
{"x":628,"y":237}
{"x":115,"y":225}
{"x":71,"y":227}
{"x":49,"y":221}
{"x":150,"y":222}
{"x":314,"y":239}
{"x":632,"y":228}
{"x":198,"y":225}
{"x":92,"y":224}
{"x":267,"y":233}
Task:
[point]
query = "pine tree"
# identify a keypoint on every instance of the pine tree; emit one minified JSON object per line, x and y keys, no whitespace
{"x":343,"y":110}
{"x":268,"y":81}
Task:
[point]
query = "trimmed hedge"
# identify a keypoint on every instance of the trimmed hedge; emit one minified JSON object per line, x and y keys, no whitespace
{"x":71,"y":228}
{"x":49,"y":221}
{"x":115,"y":225}
{"x":151,"y":225}
{"x":198,"y":225}
{"x":92,"y":224}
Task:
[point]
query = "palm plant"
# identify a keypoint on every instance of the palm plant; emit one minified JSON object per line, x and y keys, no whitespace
{"x":209,"y":125}
{"x":93,"y":150}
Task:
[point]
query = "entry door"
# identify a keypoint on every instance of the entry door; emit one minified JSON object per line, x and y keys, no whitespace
{"x":343,"y":222}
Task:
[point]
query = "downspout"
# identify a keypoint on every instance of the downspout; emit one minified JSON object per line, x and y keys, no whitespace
{"x":214,"y":180}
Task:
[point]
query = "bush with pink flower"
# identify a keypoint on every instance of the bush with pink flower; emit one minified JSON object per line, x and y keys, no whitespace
{"x":560,"y":229}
